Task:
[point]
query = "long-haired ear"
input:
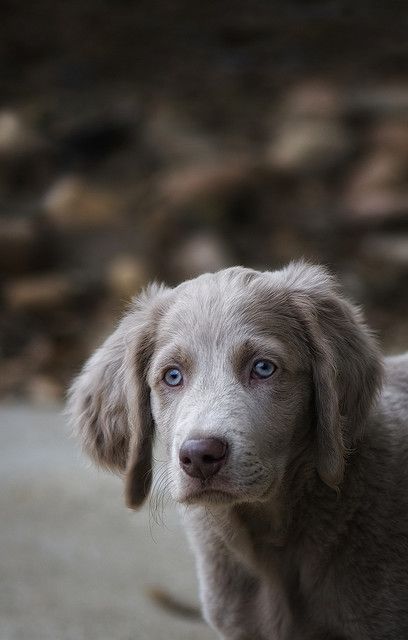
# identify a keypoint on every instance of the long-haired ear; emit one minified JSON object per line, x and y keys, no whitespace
{"x":138,"y":478}
{"x":109,"y":404}
{"x":346,"y":365}
{"x":97,"y":404}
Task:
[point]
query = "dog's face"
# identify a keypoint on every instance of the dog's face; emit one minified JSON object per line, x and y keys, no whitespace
{"x":239,"y":373}
{"x":231,"y":388}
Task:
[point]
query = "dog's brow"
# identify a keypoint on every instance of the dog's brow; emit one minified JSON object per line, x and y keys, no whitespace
{"x":172,"y":354}
{"x":252,"y":347}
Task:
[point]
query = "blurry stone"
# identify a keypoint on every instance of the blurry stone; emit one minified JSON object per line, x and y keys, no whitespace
{"x":392,"y":135}
{"x":378,"y":189}
{"x":313,"y":99}
{"x":308,"y":145}
{"x":18,"y":241}
{"x":16,"y":137}
{"x":309,"y":133}
{"x":383,"y":265}
{"x":387,"y":248}
{"x":352,"y":283}
{"x":200,"y":180}
{"x":38,"y":293}
{"x":71,"y":203}
{"x":39,"y":351}
{"x":13,"y":372}
{"x":176,"y":140}
{"x":199,"y":254}
{"x":95,"y":138}
{"x":126,"y":275}
{"x":379,"y":205}
{"x":42,"y":390}
{"x":287,"y":243}
{"x":25,"y":156}
{"x":380,"y":100}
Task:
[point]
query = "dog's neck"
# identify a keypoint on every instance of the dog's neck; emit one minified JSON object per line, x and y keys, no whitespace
{"x":259,"y":531}
{"x":292,"y":517}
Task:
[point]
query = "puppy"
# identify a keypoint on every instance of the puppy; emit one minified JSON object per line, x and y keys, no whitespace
{"x":286,"y":442}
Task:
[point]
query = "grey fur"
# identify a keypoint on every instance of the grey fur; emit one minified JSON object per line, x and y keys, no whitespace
{"x":304,"y":535}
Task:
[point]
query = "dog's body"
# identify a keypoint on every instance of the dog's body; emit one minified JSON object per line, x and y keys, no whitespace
{"x":293,"y":464}
{"x":340,"y":571}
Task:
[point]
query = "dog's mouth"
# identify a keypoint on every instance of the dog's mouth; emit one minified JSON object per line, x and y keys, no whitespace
{"x":216,"y":495}
{"x":208,"y":496}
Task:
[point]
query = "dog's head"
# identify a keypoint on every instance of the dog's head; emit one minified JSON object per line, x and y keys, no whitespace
{"x":238,"y":372}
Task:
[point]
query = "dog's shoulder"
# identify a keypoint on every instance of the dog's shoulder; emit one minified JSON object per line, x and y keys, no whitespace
{"x":396,"y":368}
{"x":391,"y":411}
{"x":395,"y":391}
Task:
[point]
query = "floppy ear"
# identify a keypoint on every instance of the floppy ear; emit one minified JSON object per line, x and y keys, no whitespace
{"x":109,"y":403}
{"x":346,"y":366}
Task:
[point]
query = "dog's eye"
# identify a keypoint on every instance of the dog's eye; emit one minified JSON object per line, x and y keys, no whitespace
{"x":262,"y":369}
{"x":173,"y":377}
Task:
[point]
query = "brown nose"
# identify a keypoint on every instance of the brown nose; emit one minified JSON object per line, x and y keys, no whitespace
{"x":202,"y":458}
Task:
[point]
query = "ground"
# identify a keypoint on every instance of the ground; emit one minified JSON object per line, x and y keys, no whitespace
{"x":75,"y":564}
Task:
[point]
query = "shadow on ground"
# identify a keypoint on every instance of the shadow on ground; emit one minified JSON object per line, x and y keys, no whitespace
{"x":74,"y":563}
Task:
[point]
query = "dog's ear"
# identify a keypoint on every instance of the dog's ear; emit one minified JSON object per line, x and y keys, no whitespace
{"x":109,"y":403}
{"x":346,"y":365}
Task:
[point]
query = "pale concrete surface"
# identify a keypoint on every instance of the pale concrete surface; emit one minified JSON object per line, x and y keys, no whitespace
{"x":74,"y":563}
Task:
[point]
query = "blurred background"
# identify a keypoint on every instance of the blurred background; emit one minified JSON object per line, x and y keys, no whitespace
{"x":145,"y":141}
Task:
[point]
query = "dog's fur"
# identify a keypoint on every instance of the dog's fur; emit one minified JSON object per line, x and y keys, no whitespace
{"x":303,"y":533}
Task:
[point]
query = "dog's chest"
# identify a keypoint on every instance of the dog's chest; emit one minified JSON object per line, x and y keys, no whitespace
{"x":305,"y":578}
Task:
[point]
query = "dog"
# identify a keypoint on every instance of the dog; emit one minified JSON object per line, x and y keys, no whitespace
{"x":286,"y":438}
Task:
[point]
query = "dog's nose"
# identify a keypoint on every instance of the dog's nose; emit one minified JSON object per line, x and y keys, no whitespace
{"x":202,"y":458}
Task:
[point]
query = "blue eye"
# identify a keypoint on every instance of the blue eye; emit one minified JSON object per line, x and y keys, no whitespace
{"x":173,"y":377}
{"x":262,"y":369}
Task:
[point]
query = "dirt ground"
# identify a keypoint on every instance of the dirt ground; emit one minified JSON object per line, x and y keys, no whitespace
{"x":74,"y":563}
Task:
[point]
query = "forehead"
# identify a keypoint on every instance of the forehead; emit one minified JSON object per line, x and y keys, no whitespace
{"x":227,"y":308}
{"x":210,"y":305}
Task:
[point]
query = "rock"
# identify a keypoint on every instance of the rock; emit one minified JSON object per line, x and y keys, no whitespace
{"x":313,"y":99}
{"x":38,"y":293}
{"x":25,"y":156}
{"x":72,"y":204}
{"x":199,"y":254}
{"x":13,"y":373}
{"x":379,"y":100}
{"x":16,"y":137}
{"x":175,"y":140}
{"x":392,"y":135}
{"x":204,"y":180}
{"x":93,"y":139}
{"x":19,"y":241}
{"x":308,"y":145}
{"x":126,"y":275}
{"x":377,"y":190}
{"x":39,"y":352}
{"x":309,"y":135}
{"x":391,"y":249}
{"x":45,"y":391}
